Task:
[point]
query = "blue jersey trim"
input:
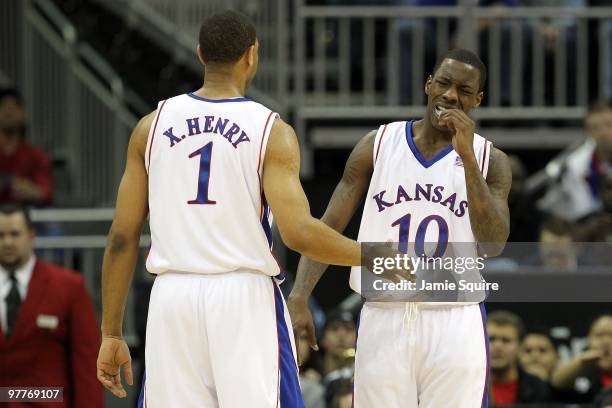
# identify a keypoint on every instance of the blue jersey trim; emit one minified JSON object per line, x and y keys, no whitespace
{"x":141,"y":397}
{"x":290,"y":393}
{"x":194,"y":96}
{"x":418,"y":155}
{"x":265,"y":221}
{"x":485,"y":394}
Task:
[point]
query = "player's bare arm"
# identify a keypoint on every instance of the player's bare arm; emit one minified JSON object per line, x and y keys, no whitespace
{"x":298,"y":229}
{"x":344,"y":201}
{"x":120,"y":258}
{"x":487,"y":199}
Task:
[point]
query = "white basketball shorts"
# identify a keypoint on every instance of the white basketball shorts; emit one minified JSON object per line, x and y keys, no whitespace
{"x":219,"y":340}
{"x":417,"y":355}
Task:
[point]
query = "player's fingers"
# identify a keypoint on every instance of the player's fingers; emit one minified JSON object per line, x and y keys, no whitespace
{"x":109,"y":382}
{"x":392,"y":276}
{"x":127,"y":371}
{"x":312,"y":338}
{"x":104,"y":379}
{"x":404,"y":275}
{"x":118,"y":387}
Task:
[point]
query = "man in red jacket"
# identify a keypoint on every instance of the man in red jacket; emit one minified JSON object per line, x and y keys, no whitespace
{"x":48,"y":327}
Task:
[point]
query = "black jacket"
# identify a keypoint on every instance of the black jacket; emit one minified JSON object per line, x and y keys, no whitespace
{"x":532,"y":389}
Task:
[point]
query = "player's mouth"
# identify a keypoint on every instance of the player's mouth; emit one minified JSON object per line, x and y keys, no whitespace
{"x":439,"y":109}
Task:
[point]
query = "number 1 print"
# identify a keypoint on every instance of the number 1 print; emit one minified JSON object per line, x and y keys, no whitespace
{"x":205,"y":154}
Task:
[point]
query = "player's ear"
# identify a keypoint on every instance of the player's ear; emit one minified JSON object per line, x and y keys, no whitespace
{"x":251,"y":55}
{"x":428,"y":85}
{"x":479,"y":99}
{"x":199,"y":54}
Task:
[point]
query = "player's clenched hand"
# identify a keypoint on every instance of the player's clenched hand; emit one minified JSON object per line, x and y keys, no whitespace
{"x":463,"y":128}
{"x":114,"y":354}
{"x":303,"y":325}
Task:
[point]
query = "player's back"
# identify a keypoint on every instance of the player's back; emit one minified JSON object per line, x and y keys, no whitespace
{"x":204,"y":159}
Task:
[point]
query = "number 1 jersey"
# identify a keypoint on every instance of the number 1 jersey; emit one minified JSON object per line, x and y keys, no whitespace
{"x":413,"y":201}
{"x":208,"y":212}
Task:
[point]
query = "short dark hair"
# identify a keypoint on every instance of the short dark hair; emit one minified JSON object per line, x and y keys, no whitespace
{"x":467,"y":57}
{"x":224,"y":37}
{"x":506,"y":318}
{"x":10,"y":209}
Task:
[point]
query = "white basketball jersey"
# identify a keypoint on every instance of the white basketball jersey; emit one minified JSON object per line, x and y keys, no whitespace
{"x":208,"y":213}
{"x":414,"y":200}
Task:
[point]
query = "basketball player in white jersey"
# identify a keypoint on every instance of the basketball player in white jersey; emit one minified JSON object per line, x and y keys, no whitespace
{"x":432,"y":179}
{"x":208,"y":168}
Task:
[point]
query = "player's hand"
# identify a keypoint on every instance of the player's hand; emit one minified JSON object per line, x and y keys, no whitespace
{"x":114,"y":354}
{"x":397,"y":274}
{"x":463,"y":128}
{"x":303,"y":326}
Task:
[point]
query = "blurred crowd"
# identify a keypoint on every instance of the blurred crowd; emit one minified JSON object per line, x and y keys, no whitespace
{"x":25,"y":171}
{"x":555,"y":33}
{"x":568,"y":201}
{"x":525,"y":364}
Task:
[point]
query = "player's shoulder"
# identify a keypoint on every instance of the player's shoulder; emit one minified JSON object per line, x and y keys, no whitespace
{"x":375,"y":138}
{"x":282,"y":131}
{"x":478,"y":138}
{"x":388,"y":133}
{"x":395,"y":125}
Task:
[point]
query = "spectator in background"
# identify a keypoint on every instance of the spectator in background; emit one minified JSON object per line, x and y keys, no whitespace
{"x":525,"y":218}
{"x":338,"y":341}
{"x":591,"y":371}
{"x":557,"y":33}
{"x":557,"y":248}
{"x":597,"y":227}
{"x":310,"y":378}
{"x":604,"y":399}
{"x":344,"y":395}
{"x":25,"y":171}
{"x":538,"y":355}
{"x":48,"y":331}
{"x":509,"y":383}
{"x":506,"y":65}
{"x":575,"y":193}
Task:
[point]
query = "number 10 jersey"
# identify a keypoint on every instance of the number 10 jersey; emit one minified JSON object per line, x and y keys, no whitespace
{"x":415,"y":202}
{"x":208,"y":212}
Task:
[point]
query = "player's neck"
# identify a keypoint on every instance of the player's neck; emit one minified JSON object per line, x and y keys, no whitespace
{"x":221,"y":86}
{"x":504,"y":376}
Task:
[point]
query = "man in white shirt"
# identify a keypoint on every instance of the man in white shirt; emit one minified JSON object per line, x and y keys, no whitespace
{"x":577,"y":193}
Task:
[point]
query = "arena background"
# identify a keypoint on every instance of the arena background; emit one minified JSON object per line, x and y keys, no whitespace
{"x":88,"y":69}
